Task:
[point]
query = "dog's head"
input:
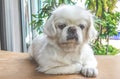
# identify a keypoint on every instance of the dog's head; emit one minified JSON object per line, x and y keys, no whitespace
{"x":70,"y":24}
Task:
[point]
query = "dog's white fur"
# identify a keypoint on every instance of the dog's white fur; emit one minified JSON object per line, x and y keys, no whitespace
{"x":57,"y":55}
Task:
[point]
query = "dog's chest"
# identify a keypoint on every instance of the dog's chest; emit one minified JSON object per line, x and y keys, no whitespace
{"x":69,"y":58}
{"x":59,"y":56}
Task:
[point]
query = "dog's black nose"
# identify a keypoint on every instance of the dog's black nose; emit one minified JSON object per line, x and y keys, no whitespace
{"x":72,"y":30}
{"x":72,"y":33}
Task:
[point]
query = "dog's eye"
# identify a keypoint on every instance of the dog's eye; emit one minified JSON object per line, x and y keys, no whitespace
{"x":61,"y":26}
{"x":82,"y":26}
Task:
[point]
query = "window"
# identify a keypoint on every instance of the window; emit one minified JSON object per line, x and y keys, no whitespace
{"x":10,"y":25}
{"x":28,"y":7}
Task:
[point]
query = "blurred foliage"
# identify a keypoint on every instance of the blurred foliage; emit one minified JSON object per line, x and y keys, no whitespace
{"x":101,"y":49}
{"x":106,"y":22}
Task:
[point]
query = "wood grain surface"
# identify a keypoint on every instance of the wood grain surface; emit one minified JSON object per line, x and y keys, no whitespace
{"x":14,"y":65}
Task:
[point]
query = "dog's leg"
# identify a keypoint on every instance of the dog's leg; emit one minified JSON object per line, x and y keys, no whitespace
{"x":89,"y":62}
{"x":89,"y":67}
{"x":70,"y":69}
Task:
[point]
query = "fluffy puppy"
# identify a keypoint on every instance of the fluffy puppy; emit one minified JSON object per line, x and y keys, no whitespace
{"x":63,"y":47}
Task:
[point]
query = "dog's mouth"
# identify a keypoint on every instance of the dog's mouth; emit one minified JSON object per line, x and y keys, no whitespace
{"x":71,"y":40}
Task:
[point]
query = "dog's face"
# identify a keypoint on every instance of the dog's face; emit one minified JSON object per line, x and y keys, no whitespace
{"x":70,"y":24}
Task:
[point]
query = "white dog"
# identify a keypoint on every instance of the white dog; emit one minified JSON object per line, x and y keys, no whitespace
{"x":63,"y":47}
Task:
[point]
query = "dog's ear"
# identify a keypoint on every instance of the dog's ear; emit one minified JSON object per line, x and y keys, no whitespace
{"x":49,"y":27}
{"x":92,"y":33}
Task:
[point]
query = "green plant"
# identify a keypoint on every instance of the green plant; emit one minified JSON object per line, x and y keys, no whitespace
{"x":106,"y":21}
{"x":101,"y":49}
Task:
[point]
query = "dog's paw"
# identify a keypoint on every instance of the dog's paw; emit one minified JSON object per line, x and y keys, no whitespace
{"x":89,"y":72}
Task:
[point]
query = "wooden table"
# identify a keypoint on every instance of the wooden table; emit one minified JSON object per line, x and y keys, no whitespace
{"x":19,"y":66}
